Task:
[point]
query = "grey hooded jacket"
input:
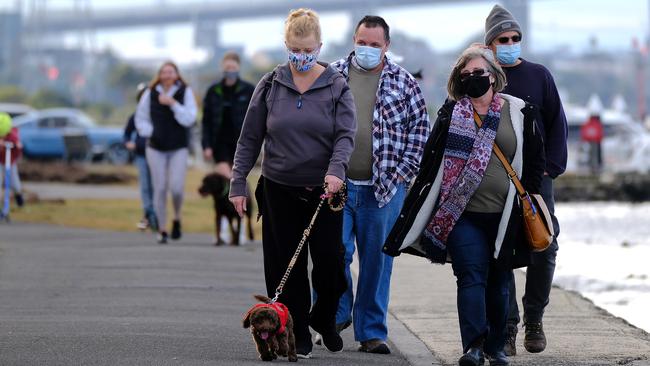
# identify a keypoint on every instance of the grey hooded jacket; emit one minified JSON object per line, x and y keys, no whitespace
{"x":306,"y":136}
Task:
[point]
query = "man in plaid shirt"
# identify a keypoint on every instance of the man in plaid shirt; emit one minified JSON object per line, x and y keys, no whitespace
{"x":392,"y":128}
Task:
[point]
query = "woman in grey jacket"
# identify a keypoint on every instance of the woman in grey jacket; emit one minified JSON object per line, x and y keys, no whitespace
{"x":304,"y":114}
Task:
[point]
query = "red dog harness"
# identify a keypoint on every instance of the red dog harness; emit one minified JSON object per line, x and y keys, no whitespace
{"x":280,"y":309}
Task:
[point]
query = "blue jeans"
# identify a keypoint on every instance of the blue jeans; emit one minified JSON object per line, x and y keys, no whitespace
{"x":368,"y":225}
{"x":482,"y":287}
{"x":539,"y":274}
{"x":146,"y":189}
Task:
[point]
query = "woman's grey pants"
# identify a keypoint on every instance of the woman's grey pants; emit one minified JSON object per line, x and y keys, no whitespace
{"x":168,"y":170}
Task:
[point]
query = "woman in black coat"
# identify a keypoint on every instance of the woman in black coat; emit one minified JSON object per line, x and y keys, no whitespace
{"x":464,"y":209}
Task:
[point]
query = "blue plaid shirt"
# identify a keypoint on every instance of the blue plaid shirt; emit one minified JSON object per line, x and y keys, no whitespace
{"x":400,"y":128}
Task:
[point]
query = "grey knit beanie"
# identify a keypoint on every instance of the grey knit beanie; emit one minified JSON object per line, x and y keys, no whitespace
{"x":500,"y":20}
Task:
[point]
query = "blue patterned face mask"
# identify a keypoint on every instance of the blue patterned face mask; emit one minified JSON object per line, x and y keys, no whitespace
{"x":508,"y":54}
{"x":303,"y":62}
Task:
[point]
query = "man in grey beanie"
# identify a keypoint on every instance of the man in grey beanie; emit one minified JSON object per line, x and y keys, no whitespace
{"x":533,"y":83}
{"x":499,"y":21}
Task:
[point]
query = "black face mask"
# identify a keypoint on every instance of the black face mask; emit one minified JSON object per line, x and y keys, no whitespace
{"x":476,"y":86}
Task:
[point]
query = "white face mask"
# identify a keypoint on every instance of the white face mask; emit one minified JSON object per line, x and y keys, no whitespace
{"x":367,"y":57}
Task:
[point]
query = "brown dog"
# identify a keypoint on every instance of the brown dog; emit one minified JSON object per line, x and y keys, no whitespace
{"x":218,"y":187}
{"x":272,"y":329}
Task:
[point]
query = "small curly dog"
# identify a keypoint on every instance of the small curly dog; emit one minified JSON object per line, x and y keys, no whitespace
{"x":272,"y":329}
{"x":218,"y":186}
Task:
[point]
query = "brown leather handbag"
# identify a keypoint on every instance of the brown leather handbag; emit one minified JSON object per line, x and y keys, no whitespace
{"x":538,"y":226}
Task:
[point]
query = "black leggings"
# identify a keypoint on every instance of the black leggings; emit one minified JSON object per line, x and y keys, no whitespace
{"x":286,"y":212}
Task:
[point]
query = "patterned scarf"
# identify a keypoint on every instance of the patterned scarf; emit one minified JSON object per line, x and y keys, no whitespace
{"x":465,"y":159}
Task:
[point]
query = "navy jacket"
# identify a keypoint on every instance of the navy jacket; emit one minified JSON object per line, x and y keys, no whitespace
{"x":535,"y":85}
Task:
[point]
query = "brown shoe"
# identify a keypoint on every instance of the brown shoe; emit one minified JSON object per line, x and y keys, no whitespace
{"x":535,"y":339}
{"x":374,"y":346}
{"x":510,"y":347}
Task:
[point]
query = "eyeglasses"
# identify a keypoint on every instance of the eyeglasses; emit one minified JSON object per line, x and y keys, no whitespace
{"x":476,"y":72}
{"x":503,"y":40}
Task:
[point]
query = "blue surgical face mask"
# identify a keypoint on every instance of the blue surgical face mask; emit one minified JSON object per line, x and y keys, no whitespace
{"x":367,"y":57}
{"x":508,"y":54}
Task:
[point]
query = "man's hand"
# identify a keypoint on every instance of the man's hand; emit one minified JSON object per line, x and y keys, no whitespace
{"x":130,"y":145}
{"x":333,"y":183}
{"x":166,"y":100}
{"x":240,"y":204}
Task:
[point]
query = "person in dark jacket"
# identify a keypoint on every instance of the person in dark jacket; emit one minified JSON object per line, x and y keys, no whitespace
{"x":463,"y":207}
{"x":534,"y":84}
{"x":303,"y":112}
{"x":137,"y":144}
{"x":165,"y":113}
{"x":224,"y":108}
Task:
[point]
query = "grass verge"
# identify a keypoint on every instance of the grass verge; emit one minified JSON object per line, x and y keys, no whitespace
{"x":123,"y":214}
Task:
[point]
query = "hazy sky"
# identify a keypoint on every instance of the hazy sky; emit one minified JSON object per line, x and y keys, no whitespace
{"x":444,"y":27}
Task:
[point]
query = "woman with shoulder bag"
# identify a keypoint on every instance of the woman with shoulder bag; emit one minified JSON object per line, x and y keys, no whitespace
{"x":304,"y":114}
{"x":463,"y":207}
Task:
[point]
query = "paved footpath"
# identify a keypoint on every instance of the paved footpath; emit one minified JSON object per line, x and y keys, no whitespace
{"x":578,"y":332}
{"x":84,"y":297}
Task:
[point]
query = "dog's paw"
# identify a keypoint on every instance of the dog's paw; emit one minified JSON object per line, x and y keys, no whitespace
{"x":267,"y":357}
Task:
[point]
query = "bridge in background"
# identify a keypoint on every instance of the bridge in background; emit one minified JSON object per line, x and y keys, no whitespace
{"x":206,"y":17}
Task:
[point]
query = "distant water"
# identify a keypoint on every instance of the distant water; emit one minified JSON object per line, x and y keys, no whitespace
{"x":605,"y":255}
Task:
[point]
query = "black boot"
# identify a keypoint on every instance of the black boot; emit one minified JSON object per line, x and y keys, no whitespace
{"x":535,"y":339}
{"x":162,"y":237}
{"x":20,"y":202}
{"x":176,"y":230}
{"x":510,"y":347}
{"x":498,"y":359}
{"x":473,"y":357}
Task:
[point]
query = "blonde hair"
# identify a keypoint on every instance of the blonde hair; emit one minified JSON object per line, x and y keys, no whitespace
{"x":156,"y":80}
{"x":302,"y":23}
{"x":454,"y":85}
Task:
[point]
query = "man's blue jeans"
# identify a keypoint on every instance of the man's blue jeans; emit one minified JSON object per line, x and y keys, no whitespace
{"x":539,"y":274}
{"x":482,"y":287}
{"x":146,"y":189}
{"x":368,"y":225}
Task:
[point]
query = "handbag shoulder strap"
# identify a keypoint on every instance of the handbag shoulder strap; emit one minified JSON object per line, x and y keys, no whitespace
{"x":497,"y":151}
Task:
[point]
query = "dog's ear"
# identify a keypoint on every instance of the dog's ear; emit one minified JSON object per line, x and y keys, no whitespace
{"x":246,"y":322}
{"x":262,"y":298}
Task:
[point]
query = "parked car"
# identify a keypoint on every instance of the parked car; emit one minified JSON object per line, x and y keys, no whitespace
{"x":625,"y":146}
{"x":43,"y":133}
{"x":15,"y":109}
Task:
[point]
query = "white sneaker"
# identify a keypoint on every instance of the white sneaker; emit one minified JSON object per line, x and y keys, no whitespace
{"x":300,"y":355}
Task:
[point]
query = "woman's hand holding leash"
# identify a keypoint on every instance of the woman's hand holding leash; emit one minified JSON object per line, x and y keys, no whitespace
{"x":240,"y":204}
{"x":333,"y":183}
